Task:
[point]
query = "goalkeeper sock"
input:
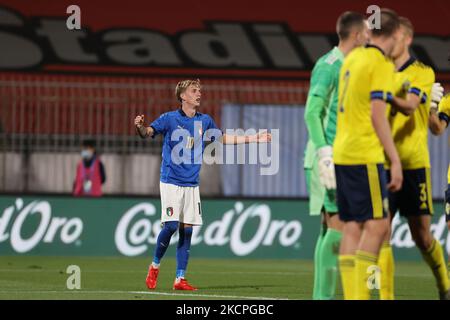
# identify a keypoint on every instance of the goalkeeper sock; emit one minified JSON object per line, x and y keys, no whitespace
{"x":347,"y":271}
{"x":363,"y":262}
{"x":434,"y":256}
{"x":328,"y":256}
{"x":316,"y":289}
{"x":163,"y":240}
{"x":386,"y":264}
{"x":183,"y":248}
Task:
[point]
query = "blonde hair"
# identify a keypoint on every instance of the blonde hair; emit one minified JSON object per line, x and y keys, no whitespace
{"x":183,"y":85}
{"x":407,"y":24}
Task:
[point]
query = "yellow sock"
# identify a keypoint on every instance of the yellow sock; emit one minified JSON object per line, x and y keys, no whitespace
{"x":364,"y":264}
{"x":434,"y":257}
{"x":346,"y":269}
{"x":386,"y":264}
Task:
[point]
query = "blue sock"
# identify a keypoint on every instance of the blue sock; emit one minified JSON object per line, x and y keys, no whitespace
{"x":164,"y":240}
{"x":184,"y":244}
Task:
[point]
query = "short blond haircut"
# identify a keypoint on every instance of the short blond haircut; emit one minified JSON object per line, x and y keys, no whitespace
{"x":183,"y":85}
{"x":407,"y":24}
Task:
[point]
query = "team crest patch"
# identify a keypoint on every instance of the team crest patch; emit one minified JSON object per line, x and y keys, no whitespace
{"x":169,"y":211}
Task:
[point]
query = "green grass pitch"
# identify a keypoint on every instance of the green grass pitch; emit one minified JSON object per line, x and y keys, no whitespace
{"x":27,"y":277}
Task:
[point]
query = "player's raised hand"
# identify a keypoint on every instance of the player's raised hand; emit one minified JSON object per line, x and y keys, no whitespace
{"x":263,"y":137}
{"x":396,"y":177}
{"x":437,"y":92}
{"x":139,"y":121}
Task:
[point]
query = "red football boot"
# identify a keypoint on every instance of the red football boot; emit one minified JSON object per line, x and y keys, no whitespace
{"x":182,"y":284}
{"x":152,"y":277}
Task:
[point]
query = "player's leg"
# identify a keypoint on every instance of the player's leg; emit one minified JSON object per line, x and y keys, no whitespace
{"x":170,"y":212}
{"x":316,"y":202}
{"x":366,"y":257}
{"x":184,"y":244}
{"x":191,"y":215}
{"x":386,"y":265}
{"x":418,"y":209}
{"x":431,"y":250}
{"x":351,"y":234}
{"x":373,"y":208}
{"x":329,"y":253}
{"x":386,"y":256}
{"x":347,"y":186}
{"x":317,"y":295}
{"x":447,"y":217}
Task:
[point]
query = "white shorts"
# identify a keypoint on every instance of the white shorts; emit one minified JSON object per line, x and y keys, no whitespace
{"x":180,"y":204}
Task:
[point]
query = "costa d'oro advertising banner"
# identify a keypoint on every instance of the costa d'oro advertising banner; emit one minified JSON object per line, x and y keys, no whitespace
{"x":269,"y":229}
{"x":230,"y":38}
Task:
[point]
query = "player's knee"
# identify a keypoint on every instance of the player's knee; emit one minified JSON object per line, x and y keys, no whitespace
{"x":377,"y":228}
{"x":171,"y":226}
{"x":335,"y":223}
{"x":423,"y":239}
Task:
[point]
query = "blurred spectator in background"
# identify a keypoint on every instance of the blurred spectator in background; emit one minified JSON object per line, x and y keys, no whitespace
{"x":90,"y":172}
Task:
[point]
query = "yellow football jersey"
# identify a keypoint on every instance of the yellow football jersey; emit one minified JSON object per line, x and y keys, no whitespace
{"x":410,"y":133}
{"x":444,"y":112}
{"x":444,"y":105}
{"x":448,"y":174}
{"x":366,"y":74}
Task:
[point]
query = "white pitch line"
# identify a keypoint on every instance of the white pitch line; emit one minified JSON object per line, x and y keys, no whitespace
{"x":141,"y":292}
{"x":192,"y":272}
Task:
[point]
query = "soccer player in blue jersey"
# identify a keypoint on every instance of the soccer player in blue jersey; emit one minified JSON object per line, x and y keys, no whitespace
{"x":185,"y":132}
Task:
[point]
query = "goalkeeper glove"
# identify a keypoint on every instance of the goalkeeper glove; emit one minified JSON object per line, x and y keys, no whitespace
{"x":326,"y":167}
{"x":437,"y":92}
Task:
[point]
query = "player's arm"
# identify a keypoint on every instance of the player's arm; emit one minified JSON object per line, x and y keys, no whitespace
{"x":381,"y":86}
{"x":261,"y":137}
{"x":321,"y":87}
{"x":383,"y":131}
{"x":406,"y":106}
{"x":407,"y":97}
{"x":439,"y":114}
{"x":438,"y":123}
{"x":318,"y":97}
{"x":141,"y":129}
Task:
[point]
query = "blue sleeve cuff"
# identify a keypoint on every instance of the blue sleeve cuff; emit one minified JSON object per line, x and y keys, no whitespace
{"x":443,"y":116}
{"x":422,"y":95}
{"x":381,"y":95}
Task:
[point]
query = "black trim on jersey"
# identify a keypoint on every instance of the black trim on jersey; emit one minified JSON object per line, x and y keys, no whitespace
{"x":409,"y":62}
{"x":443,"y":116}
{"x":154,"y":132}
{"x":376,"y":47}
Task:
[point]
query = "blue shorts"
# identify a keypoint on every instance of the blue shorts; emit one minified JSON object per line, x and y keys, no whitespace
{"x":361,"y":192}
{"x":414,"y":198}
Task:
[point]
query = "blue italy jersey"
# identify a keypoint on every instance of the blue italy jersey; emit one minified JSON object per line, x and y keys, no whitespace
{"x":184,"y":143}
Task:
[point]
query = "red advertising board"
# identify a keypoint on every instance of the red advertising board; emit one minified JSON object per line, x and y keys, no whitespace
{"x":222,"y":39}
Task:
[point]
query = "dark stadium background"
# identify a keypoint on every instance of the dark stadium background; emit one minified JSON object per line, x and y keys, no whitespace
{"x":59,"y":87}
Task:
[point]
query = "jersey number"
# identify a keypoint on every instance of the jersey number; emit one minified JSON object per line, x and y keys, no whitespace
{"x":423,"y":192}
{"x":189,"y":143}
{"x":344,"y":91}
